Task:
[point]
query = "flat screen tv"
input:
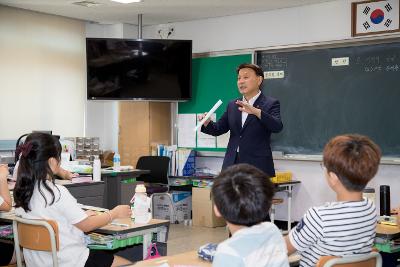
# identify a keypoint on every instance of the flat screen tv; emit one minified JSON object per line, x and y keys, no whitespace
{"x":129,"y":69}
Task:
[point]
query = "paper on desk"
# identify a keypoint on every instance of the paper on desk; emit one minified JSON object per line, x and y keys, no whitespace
{"x":186,"y":136}
{"x":212,"y":110}
{"x":82,"y":179}
{"x":206,"y":140}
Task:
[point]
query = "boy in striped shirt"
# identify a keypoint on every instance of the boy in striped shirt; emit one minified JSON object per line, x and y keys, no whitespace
{"x":346,"y":226}
{"x":242,"y":195}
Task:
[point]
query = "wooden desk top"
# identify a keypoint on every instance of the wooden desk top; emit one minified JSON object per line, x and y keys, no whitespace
{"x":292,"y":182}
{"x":109,"y":228}
{"x":387,"y":229}
{"x":186,"y":258}
{"x":115,"y":229}
{"x":190,"y":258}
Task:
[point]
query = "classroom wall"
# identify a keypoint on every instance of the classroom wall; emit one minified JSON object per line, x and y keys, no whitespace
{"x":305,"y":24}
{"x":42,"y":73}
{"x":299,"y":25}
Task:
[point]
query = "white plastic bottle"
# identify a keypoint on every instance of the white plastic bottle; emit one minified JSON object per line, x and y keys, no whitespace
{"x":117,"y":162}
{"x":141,"y":210}
{"x":96,"y":169}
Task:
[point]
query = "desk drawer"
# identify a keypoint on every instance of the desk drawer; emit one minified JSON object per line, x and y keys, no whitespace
{"x":91,"y":201}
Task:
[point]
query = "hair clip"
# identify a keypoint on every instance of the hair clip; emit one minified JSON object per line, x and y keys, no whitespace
{"x":24,"y":149}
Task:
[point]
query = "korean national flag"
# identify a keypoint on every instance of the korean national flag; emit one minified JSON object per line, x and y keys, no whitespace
{"x":377,"y":16}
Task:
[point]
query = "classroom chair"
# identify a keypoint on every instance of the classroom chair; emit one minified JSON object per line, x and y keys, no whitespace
{"x":157,"y":180}
{"x":372,"y":259}
{"x":36,"y":235}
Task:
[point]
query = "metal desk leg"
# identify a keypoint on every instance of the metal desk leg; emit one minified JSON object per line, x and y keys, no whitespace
{"x":146,"y":244}
{"x":289,"y":200}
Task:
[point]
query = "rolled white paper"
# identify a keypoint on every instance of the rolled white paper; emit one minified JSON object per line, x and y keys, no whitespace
{"x":212,"y":110}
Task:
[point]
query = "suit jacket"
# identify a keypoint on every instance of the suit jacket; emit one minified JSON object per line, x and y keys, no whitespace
{"x":253,"y":139}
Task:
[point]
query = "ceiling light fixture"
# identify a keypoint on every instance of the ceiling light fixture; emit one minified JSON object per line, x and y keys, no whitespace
{"x":87,"y":3}
{"x":127,"y":1}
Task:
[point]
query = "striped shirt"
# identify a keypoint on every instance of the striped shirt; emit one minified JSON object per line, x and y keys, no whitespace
{"x":337,"y":229}
{"x":256,"y":246}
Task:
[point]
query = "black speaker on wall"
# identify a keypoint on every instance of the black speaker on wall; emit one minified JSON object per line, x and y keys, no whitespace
{"x":385,"y":200}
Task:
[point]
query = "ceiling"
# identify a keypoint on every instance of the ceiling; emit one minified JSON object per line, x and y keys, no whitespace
{"x":154,"y":11}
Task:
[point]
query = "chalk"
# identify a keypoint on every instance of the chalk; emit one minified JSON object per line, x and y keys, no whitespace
{"x":212,"y":110}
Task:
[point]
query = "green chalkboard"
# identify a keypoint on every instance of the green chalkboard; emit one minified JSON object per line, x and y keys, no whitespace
{"x":319,"y":100}
{"x":213,"y":78}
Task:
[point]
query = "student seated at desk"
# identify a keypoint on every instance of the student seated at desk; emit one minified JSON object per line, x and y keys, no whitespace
{"x":243,"y":195}
{"x":61,"y":173}
{"x":347,"y":225}
{"x":38,"y":197}
{"x":7,"y":250}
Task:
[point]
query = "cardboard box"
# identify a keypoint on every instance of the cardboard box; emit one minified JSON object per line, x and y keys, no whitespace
{"x":203,"y":212}
{"x":175,"y":206}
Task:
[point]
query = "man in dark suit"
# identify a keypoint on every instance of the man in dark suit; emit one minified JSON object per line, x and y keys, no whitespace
{"x":250,"y":120}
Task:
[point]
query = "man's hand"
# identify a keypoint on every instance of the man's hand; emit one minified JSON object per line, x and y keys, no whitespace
{"x":246,"y":107}
{"x":201,"y":116}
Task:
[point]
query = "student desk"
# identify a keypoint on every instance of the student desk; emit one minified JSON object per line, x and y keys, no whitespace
{"x":87,"y":193}
{"x":155,"y":226}
{"x":280,"y":187}
{"x":159,"y":227}
{"x":190,"y":258}
{"x":119,"y":186}
{"x":186,"y":258}
{"x":387,"y":241}
{"x":288,"y":188}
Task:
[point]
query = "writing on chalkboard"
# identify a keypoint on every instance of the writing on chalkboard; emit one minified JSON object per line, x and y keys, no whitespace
{"x":322,"y":96}
{"x":377,"y":63}
{"x":273,"y":62}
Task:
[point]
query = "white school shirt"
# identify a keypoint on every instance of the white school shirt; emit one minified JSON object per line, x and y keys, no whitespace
{"x":66,"y":212}
{"x":260,"y":245}
{"x":251,"y":102}
{"x":336,"y":229}
{"x":245,"y":114}
{"x":1,"y":200}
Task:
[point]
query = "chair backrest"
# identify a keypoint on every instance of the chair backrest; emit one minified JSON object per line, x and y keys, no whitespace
{"x":39,"y":235}
{"x":372,"y":259}
{"x":158,"y":166}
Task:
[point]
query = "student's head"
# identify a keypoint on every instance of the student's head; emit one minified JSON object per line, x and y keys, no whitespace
{"x":242,"y":195}
{"x":352,"y":159}
{"x":250,"y":78}
{"x":39,"y":160}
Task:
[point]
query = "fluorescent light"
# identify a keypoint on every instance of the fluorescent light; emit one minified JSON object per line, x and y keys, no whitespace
{"x":127,"y":1}
{"x":87,"y":3}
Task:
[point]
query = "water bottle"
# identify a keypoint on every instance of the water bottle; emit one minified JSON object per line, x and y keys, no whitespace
{"x":117,"y":162}
{"x":96,"y":169}
{"x":141,"y":205}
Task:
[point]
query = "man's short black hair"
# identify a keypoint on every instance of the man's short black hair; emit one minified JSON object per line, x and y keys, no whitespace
{"x":243,"y":194}
{"x":254,"y":67}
